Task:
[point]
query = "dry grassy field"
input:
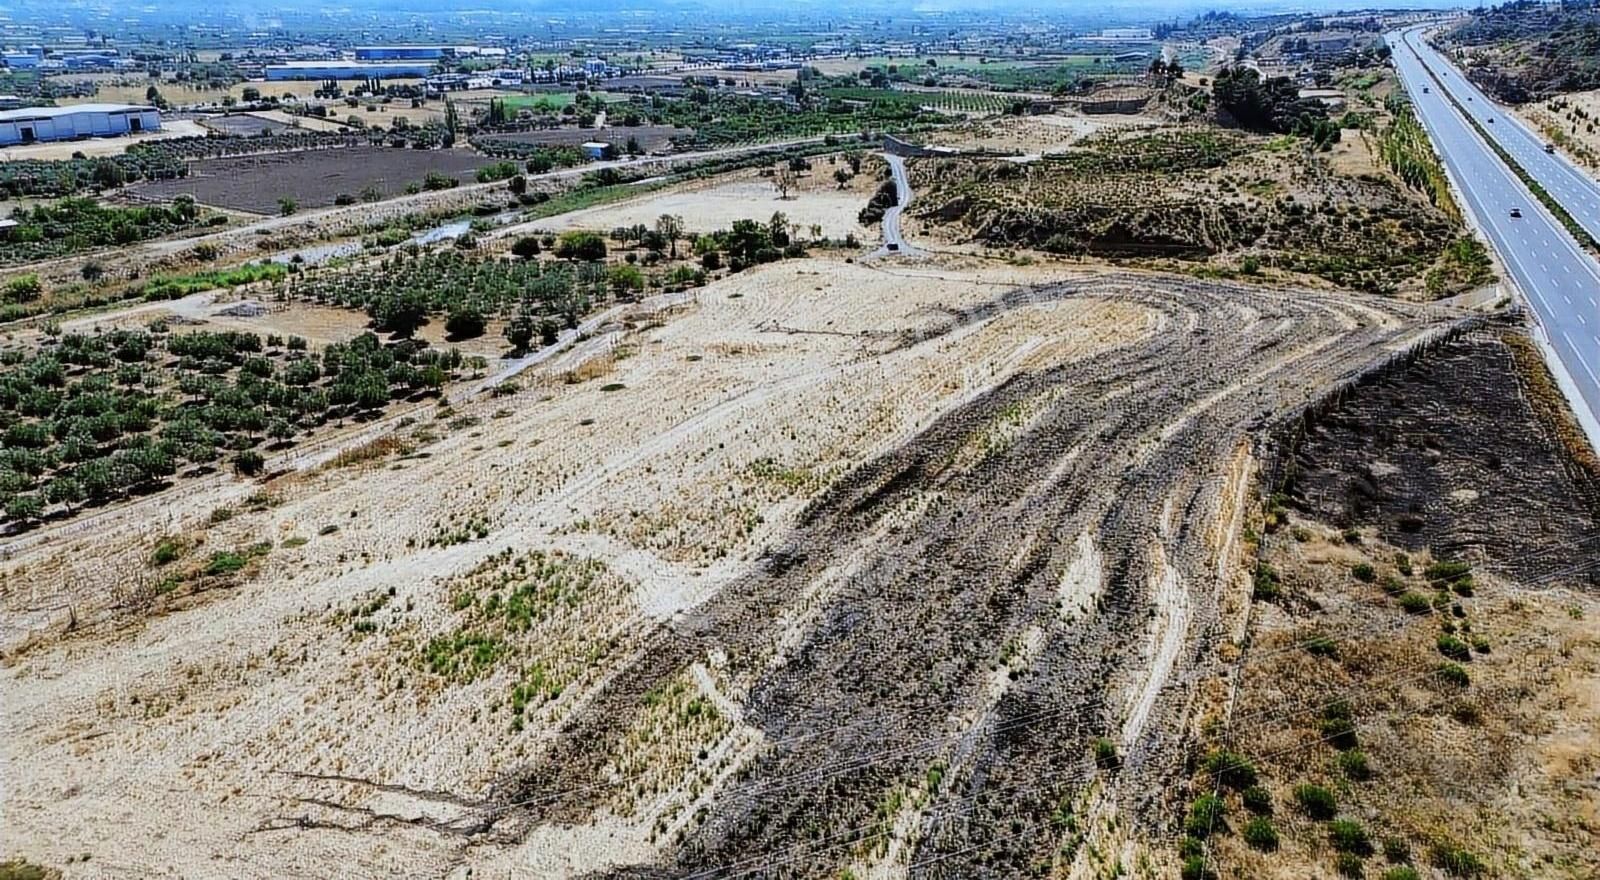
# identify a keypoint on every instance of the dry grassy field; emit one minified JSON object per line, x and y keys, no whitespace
{"x":715,"y":204}
{"x":615,"y":630}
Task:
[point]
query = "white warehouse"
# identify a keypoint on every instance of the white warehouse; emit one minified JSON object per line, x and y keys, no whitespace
{"x":78,"y":121}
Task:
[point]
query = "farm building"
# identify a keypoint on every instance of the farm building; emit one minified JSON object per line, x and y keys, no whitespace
{"x":348,"y":70}
{"x":79,"y":121}
{"x":597,"y":149}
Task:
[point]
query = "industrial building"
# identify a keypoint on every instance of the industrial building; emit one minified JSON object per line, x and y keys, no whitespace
{"x":78,"y":121}
{"x":403,"y":53}
{"x":348,"y":70}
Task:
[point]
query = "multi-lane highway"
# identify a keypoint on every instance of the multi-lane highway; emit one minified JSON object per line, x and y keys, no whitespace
{"x":1560,"y":280}
{"x":1576,"y":191}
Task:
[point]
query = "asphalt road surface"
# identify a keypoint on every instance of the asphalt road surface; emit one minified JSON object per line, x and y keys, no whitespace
{"x":1560,"y":280}
{"x":1576,"y":191}
{"x":893,"y":241}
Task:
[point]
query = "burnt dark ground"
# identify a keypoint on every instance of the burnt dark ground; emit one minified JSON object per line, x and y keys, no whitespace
{"x":894,"y":673}
{"x":1449,"y":455}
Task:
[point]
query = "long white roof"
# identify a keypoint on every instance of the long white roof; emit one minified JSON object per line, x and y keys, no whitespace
{"x":53,"y":112}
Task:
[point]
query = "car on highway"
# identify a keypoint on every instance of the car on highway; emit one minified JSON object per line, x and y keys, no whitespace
{"x":1549,"y":148}
{"x":1426,"y":90}
{"x":893,"y":246}
{"x":1516,"y":212}
{"x":1491,"y":120}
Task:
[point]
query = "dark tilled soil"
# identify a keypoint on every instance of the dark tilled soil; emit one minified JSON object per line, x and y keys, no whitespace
{"x":947,"y":560}
{"x":1448,"y":455}
{"x":312,"y":178}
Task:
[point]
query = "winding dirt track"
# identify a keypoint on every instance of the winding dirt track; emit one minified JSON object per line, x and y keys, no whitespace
{"x":1040,"y":566}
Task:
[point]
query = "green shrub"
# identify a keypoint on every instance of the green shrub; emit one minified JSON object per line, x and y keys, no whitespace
{"x":1316,"y":801}
{"x":1403,"y":563}
{"x":1392,"y":585}
{"x":1454,"y":648}
{"x":23,"y":288}
{"x":1364,"y":572}
{"x":169,"y":550}
{"x":1195,"y":868}
{"x":1266,"y":583}
{"x":1348,"y":836}
{"x":1353,"y":764}
{"x":1258,"y":800}
{"x":1338,"y":725}
{"x":1231,"y":769}
{"x":225,"y":562}
{"x":1205,"y":816}
{"x":1454,"y":673}
{"x":1412,"y":602}
{"x":1260,"y":834}
{"x":1348,"y":864}
{"x":1321,"y":646}
{"x":1105,"y":753}
{"x":1446,"y":571}
{"x":1456,"y":861}
{"x":1396,"y":850}
{"x":1403,"y":872}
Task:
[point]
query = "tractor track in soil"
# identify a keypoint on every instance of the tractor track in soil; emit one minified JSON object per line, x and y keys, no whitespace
{"x":897,"y":589}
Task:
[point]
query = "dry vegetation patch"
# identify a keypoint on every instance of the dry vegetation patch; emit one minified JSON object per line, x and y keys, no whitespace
{"x":1203,"y":200}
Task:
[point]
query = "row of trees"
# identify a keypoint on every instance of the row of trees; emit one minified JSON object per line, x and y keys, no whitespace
{"x":74,"y":224}
{"x":93,"y":417}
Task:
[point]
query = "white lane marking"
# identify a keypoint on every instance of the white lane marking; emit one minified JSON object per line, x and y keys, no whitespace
{"x":1581,"y":362}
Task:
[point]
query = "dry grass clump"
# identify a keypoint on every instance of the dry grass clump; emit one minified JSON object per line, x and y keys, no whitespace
{"x":538,"y":621}
{"x":665,"y":755}
{"x":371,"y":452}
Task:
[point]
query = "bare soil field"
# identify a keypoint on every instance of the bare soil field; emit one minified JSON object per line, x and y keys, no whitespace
{"x":841,"y":566}
{"x":1436,"y":477}
{"x":715,"y":204}
{"x":312,"y":178}
{"x":1034,"y":134}
{"x":309,"y":123}
{"x":245,"y":124}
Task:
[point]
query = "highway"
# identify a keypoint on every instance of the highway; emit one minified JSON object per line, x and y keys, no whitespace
{"x":1560,"y":280}
{"x":1575,"y":190}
